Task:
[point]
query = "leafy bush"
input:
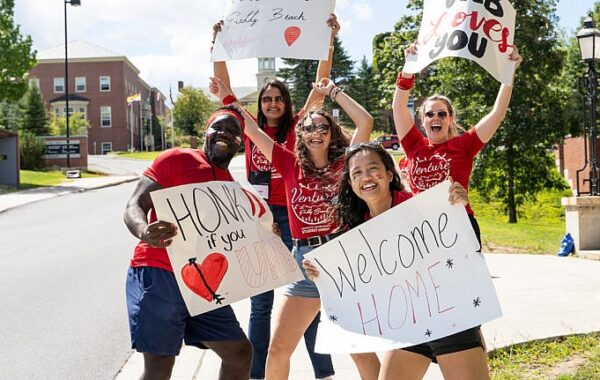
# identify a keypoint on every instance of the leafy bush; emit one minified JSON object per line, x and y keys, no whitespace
{"x":31,"y":150}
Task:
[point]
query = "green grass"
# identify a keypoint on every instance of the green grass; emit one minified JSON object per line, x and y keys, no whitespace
{"x":540,"y":227}
{"x":138,"y":155}
{"x":575,"y":357}
{"x":31,"y":179}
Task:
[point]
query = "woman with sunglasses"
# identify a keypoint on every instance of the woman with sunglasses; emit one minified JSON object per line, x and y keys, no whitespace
{"x":368,"y":187}
{"x":442,"y":153}
{"x":276,"y":118}
{"x":310,"y":174}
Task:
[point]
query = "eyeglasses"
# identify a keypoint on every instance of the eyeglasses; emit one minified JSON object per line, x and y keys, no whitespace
{"x":271,"y":99}
{"x":440,"y":114}
{"x":320,"y":128}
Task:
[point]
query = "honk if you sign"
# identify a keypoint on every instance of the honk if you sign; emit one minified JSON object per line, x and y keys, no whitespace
{"x":408,"y":276}
{"x":274,"y":28}
{"x":225,"y":249}
{"x":479,"y":30}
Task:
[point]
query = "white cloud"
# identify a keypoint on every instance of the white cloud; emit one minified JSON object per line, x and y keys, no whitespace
{"x":363,"y":11}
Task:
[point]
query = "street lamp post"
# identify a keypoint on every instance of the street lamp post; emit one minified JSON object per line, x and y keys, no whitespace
{"x":589,"y":43}
{"x":73,"y":3}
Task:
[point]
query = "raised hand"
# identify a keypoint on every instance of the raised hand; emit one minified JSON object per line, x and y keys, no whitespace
{"x":333,"y":23}
{"x":218,"y":88}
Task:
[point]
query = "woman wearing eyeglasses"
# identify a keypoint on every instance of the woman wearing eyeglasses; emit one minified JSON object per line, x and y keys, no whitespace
{"x":432,"y":158}
{"x":276,"y":118}
{"x":310,"y":173}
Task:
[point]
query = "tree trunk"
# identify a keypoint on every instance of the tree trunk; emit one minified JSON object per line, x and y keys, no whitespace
{"x":512,"y":207}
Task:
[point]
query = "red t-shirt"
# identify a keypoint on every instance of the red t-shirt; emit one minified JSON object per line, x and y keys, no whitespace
{"x":397,"y":198}
{"x":310,"y":198}
{"x":429,"y":165}
{"x":171,"y":168}
{"x":256,"y":161}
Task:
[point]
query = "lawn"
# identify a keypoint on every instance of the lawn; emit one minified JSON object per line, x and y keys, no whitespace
{"x":576,"y":357}
{"x":540,"y":227}
{"x":31,"y":179}
{"x":138,"y":155}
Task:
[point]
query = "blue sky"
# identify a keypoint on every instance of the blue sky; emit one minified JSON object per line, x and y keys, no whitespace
{"x":168,"y":40}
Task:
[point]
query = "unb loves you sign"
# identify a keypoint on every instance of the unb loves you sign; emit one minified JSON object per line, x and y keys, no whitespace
{"x":274,"y":28}
{"x":225,"y":249}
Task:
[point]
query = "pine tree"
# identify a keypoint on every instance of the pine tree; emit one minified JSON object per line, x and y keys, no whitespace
{"x":363,"y":89}
{"x":32,"y":113}
{"x":299,"y":74}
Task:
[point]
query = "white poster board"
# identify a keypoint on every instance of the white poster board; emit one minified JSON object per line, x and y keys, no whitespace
{"x":274,"y":28}
{"x":480,"y":30}
{"x":225,"y":249}
{"x":408,"y":276}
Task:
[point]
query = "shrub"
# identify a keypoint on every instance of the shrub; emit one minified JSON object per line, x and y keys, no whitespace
{"x":31,"y":150}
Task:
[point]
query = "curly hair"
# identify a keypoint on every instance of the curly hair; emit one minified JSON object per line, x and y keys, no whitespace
{"x":337,"y":145}
{"x":350,"y":210}
{"x":287,"y":120}
{"x":455,"y":129}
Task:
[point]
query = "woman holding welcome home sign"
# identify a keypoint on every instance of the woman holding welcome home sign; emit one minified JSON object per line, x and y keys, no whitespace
{"x":277,"y":119}
{"x":442,"y":153}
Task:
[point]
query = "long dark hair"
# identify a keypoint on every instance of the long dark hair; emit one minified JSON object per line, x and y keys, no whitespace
{"x":350,"y":210}
{"x":337,"y":145}
{"x":287,"y":120}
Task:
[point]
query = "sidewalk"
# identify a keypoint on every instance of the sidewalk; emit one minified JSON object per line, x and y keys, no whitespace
{"x":20,"y":198}
{"x":541,"y":296}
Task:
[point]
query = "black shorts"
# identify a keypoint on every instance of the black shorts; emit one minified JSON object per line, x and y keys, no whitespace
{"x":461,"y":341}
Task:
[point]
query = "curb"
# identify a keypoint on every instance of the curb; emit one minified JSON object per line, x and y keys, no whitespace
{"x":56,"y":191}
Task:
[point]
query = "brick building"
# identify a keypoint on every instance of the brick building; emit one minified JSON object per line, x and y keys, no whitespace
{"x":100,"y":81}
{"x":570,"y":157}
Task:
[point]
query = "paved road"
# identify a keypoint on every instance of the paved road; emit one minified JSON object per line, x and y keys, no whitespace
{"x":62,"y":270}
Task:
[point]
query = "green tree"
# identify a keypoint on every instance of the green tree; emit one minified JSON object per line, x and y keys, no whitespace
{"x":573,"y":70}
{"x":363,"y":89}
{"x":516,"y":164}
{"x":191,"y":111}
{"x":299,"y":74}
{"x":16,"y":56}
{"x":32,"y":113}
{"x":8,"y":115}
{"x":78,"y":125}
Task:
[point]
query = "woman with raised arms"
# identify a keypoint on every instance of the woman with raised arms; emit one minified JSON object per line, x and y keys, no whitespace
{"x":277,"y":119}
{"x":431,"y":159}
{"x":310,"y":174}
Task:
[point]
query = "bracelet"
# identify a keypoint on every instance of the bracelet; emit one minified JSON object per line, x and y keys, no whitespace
{"x":334,"y":92}
{"x":405,"y":83}
{"x":229,"y":99}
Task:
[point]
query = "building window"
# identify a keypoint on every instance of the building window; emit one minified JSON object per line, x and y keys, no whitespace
{"x":104,"y":84}
{"x":80,"y":84}
{"x":106,"y":147}
{"x":34,"y":82}
{"x":59,"y":85}
{"x":105,"y":117}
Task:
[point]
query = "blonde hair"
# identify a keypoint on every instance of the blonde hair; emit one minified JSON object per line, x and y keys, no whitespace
{"x":455,"y":129}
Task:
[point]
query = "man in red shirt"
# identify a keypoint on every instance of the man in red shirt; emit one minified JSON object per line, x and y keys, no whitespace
{"x":158,"y":318}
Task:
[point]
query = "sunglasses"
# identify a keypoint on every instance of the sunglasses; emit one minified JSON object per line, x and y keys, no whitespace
{"x":320,"y":128}
{"x":270,"y":99}
{"x":440,"y":114}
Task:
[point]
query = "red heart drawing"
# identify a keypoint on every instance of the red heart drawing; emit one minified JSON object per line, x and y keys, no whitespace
{"x":291,"y":34}
{"x":254,"y":200}
{"x":204,"y":279}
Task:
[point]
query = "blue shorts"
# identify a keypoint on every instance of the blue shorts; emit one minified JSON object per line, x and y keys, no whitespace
{"x":303,"y":288}
{"x":159,"y":321}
